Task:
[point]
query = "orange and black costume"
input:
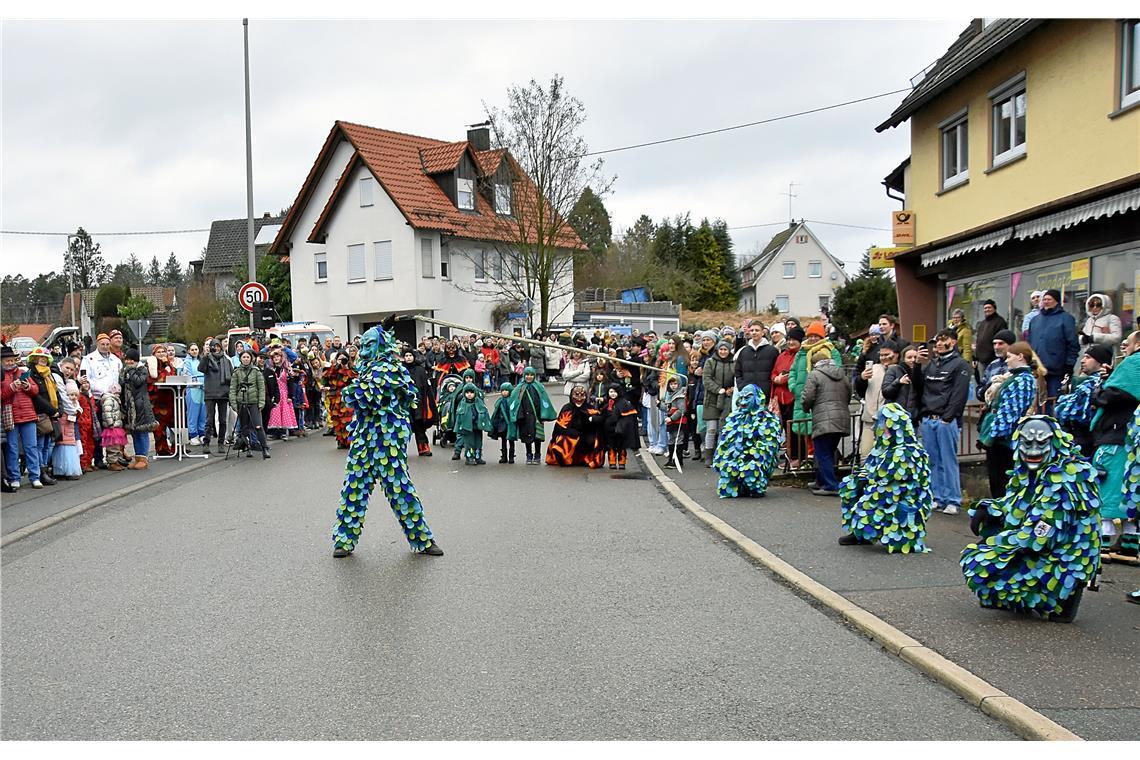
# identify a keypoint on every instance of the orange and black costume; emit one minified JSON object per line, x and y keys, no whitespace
{"x":337,"y":378}
{"x":577,"y":437}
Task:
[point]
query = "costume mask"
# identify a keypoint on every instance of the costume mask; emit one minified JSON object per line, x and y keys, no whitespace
{"x":1035,"y":443}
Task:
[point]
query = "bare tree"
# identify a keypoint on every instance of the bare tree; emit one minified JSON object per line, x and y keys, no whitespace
{"x":547,"y":167}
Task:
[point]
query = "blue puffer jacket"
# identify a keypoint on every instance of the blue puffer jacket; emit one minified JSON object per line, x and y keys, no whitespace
{"x":1053,"y":335}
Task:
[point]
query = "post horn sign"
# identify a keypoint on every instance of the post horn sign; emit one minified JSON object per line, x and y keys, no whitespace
{"x":252,"y":293}
{"x":902,"y":227}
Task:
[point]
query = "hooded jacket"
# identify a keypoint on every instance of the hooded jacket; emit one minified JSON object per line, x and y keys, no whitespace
{"x":717,"y":374}
{"x":1105,"y":329}
{"x":1053,"y":335}
{"x":247,"y":386}
{"x":827,"y":395}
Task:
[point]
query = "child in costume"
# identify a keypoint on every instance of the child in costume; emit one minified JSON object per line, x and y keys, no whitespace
{"x":503,"y":426}
{"x":337,"y":377}
{"x":114,"y":434}
{"x":1040,"y":542}
{"x":448,"y":396}
{"x":381,"y":397}
{"x":424,"y":415}
{"x":471,"y":419}
{"x":530,"y":407}
{"x":89,"y":425}
{"x":577,"y":438}
{"x":888,"y":500}
{"x":749,"y":447}
{"x":620,"y":426}
{"x":65,"y":455}
{"x":674,"y":404}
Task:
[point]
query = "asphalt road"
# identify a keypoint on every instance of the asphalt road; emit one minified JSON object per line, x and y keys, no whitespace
{"x":569,"y":605}
{"x":1083,"y":675}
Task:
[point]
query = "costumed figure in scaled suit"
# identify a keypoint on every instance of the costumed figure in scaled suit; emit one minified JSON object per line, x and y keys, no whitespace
{"x":577,"y":437}
{"x":424,"y":415}
{"x":888,"y":500}
{"x":337,"y":378}
{"x":749,"y":447}
{"x":382,"y":397}
{"x":1041,"y":544}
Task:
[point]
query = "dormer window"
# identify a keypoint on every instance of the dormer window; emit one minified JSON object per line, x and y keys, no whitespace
{"x":465,"y":194}
{"x":503,"y":200}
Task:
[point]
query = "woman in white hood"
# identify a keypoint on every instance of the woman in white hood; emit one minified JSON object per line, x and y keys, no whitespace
{"x":1102,"y":326}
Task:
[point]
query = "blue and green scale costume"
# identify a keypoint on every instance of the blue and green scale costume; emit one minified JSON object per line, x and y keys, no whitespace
{"x":749,"y":447}
{"x":1041,"y":540}
{"x":1130,"y":484}
{"x":888,"y":500}
{"x":381,"y":397}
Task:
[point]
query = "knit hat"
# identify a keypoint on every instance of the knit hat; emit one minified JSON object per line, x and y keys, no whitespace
{"x":1056,"y":294}
{"x":796,"y":333}
{"x":1006,"y":336}
{"x":816,"y":329}
{"x":726,"y":343}
{"x":118,"y":333}
{"x":102,"y":336}
{"x":817,"y":354}
{"x":777,"y":327}
{"x":71,"y":387}
{"x":989,"y":302}
{"x":875,"y":330}
{"x":727,"y":330}
{"x":132,"y":354}
{"x":1101,"y":353}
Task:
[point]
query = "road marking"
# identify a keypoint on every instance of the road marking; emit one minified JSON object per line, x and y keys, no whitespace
{"x":1018,"y":716}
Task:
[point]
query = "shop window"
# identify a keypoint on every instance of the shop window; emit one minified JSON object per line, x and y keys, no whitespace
{"x":1115,"y":275}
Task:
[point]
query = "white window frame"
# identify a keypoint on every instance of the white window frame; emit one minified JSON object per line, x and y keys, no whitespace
{"x":1129,"y":55}
{"x":427,"y":257}
{"x":825,"y":302}
{"x":479,"y":260}
{"x":1008,"y":92}
{"x":382,"y":259}
{"x":365,"y":191}
{"x":497,"y":266}
{"x":815,"y":269}
{"x":357,"y":249}
{"x":318,"y":259}
{"x":787,"y":304}
{"x":954,"y":133}
{"x":463,"y":187}
{"x":503,"y":199}
{"x":444,"y":261}
{"x":784,"y":269}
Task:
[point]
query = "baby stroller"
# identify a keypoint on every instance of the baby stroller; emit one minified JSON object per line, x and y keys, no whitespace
{"x":446,"y":396}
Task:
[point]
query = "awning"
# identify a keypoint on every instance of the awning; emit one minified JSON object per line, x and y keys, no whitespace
{"x":1114,"y":204}
{"x":978,"y":243}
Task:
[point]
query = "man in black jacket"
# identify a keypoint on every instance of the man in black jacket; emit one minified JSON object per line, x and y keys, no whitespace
{"x":945,"y":388}
{"x":984,"y":333}
{"x":755,"y":359}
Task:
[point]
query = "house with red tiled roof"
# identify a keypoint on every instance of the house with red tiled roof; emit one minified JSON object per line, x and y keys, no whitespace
{"x":391,"y":223}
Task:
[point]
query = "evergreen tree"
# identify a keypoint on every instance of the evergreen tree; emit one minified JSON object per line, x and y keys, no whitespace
{"x":131,"y":272}
{"x":866,"y":272}
{"x":172,"y":272}
{"x":591,"y":221}
{"x":274,"y":275}
{"x":154,"y":272}
{"x":711,"y":289}
{"x":109,"y":298}
{"x":83,"y":260}
{"x":728,"y":255}
{"x":860,"y":302}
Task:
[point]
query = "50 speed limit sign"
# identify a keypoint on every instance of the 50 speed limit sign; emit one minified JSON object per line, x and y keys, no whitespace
{"x":252,"y":293}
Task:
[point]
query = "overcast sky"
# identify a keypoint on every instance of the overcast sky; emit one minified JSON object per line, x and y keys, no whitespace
{"x":124,"y":126}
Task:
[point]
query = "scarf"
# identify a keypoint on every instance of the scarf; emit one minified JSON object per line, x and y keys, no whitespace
{"x":48,"y":381}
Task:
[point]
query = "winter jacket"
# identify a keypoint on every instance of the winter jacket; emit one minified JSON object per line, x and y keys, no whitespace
{"x":945,"y":387}
{"x":718,"y":374}
{"x":102,"y":371}
{"x":965,"y":340}
{"x":247,"y":387}
{"x":1053,"y":335}
{"x":217,"y":374}
{"x":1105,"y":329}
{"x":798,"y":379}
{"x":272,"y":391}
{"x":22,"y":401}
{"x":871,"y":391}
{"x":780,"y":390}
{"x":112,"y":411}
{"x":906,"y":395}
{"x":984,"y":337}
{"x":536,"y":357}
{"x":138,"y":415}
{"x":827,"y":395}
{"x":553,"y":352}
{"x":575,"y":373}
{"x":754,"y":366}
{"x":1115,"y":401}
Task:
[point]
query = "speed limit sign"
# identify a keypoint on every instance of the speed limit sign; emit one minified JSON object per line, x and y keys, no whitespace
{"x":251,"y":293}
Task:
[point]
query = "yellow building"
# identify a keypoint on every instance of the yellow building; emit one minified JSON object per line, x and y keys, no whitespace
{"x":1024,"y":171}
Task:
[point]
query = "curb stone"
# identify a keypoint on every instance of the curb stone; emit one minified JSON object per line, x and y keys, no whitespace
{"x":1014,"y":714}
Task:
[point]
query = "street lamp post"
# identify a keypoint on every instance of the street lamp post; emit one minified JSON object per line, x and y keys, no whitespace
{"x":250,"y":251}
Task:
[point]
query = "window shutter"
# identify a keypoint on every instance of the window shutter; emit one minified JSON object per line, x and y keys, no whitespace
{"x":383,"y":250}
{"x":356,"y":262}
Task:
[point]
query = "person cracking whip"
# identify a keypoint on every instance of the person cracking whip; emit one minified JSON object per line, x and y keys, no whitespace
{"x":382,"y":397}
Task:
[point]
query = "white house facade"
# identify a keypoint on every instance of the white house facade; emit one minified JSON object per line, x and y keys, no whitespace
{"x":387,"y":223}
{"x":795,"y":273}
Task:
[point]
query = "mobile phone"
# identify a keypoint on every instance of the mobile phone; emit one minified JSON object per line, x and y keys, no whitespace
{"x":83,"y":373}
{"x":868,"y":365}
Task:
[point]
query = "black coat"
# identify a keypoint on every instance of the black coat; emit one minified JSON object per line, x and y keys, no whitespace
{"x":138,"y":415}
{"x":424,"y":415}
{"x":272,"y":392}
{"x":1119,"y":406}
{"x":905,"y":395}
{"x":754,"y":366}
{"x":620,"y":425}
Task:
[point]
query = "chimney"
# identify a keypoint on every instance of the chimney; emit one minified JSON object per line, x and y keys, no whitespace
{"x":267,"y":215}
{"x":479,"y":135}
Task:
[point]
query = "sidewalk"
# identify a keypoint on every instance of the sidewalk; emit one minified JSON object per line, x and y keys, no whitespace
{"x":1083,"y":675}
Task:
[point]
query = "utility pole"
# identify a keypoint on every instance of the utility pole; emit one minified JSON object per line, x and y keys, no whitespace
{"x":791,"y":195}
{"x":71,"y":283}
{"x":250,"y":252}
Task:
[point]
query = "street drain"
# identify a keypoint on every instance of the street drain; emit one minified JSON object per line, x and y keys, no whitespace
{"x":631,"y":476}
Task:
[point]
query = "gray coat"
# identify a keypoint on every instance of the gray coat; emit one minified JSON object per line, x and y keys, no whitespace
{"x":536,"y":357}
{"x":216,"y":376}
{"x":717,"y":374}
{"x":827,"y":395}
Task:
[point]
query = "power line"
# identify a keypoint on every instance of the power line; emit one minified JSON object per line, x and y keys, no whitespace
{"x":743,"y":126}
{"x":852,"y":226}
{"x":103,"y":234}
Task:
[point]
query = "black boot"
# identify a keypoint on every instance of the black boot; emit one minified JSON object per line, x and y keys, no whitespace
{"x":340,"y":552}
{"x":433,"y":550}
{"x":455,"y":456}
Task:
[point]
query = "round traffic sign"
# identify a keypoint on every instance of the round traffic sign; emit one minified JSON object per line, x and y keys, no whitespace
{"x":251,"y":293}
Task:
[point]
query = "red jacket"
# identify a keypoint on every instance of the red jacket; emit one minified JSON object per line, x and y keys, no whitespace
{"x":780,"y":390}
{"x":23,"y":409}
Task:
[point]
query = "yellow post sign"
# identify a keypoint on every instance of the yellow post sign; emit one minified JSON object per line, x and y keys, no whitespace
{"x":902,"y":227}
{"x":1079,"y":270}
{"x":884,"y":258}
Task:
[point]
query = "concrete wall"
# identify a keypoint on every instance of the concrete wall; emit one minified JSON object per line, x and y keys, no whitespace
{"x":1071,"y":70}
